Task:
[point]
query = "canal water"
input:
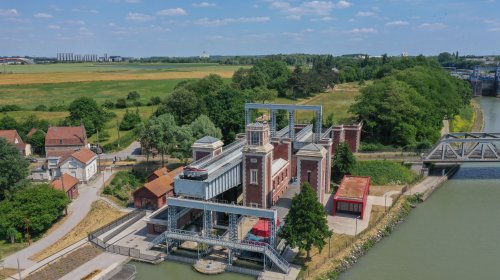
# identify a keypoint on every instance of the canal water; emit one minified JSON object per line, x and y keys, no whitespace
{"x":455,"y":234}
{"x":176,"y":271}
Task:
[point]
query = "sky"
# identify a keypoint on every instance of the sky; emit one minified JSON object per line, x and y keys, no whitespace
{"x":143,"y":28}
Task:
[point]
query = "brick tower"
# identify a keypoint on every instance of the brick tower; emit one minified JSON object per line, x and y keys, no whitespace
{"x":257,"y":163}
{"x":205,"y":146}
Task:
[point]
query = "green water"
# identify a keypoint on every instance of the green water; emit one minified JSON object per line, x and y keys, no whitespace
{"x":455,"y":234}
{"x":177,"y":271}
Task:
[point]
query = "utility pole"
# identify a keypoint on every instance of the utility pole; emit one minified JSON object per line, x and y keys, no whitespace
{"x":98,"y":150}
{"x":118,"y":130}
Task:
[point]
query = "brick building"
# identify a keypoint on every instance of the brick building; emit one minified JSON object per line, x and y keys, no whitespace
{"x":352,"y":195}
{"x":67,"y":184}
{"x":153,"y":195}
{"x":64,"y":139}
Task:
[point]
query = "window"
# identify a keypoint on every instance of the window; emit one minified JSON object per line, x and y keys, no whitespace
{"x":255,"y":139}
{"x":253,"y":176}
{"x":309,"y":176}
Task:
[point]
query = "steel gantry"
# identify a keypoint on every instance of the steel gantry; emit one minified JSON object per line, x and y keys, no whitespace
{"x":291,"y":109}
{"x":465,"y":147}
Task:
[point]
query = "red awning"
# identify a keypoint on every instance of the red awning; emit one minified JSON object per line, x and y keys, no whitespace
{"x":261,"y":228}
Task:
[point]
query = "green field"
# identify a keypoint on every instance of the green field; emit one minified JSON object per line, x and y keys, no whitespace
{"x":29,"y":96}
{"x":116,"y":67}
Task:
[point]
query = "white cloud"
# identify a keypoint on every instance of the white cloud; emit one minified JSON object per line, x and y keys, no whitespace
{"x":133,"y":1}
{"x":362,"y":30}
{"x":9,"y":13}
{"x":203,"y":5}
{"x":76,"y":22}
{"x":433,"y":26}
{"x":138,"y":17}
{"x":172,"y":12}
{"x":116,"y":29}
{"x":397,"y":23}
{"x":494,"y":29}
{"x":42,"y":15}
{"x":343,"y":4}
{"x":308,"y":8}
{"x":54,"y":27}
{"x":365,"y":14}
{"x":224,"y":21}
{"x":323,"y":19}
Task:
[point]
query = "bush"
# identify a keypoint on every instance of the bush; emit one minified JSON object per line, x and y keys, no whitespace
{"x":41,"y":108}
{"x":10,"y":108}
{"x":375,"y":147}
{"x":385,"y":172}
{"x":133,"y":95}
{"x":108,"y":104}
{"x":154,"y":100}
{"x":130,"y":120}
{"x":123,"y":184}
{"x":121,"y":103}
{"x":58,"y":108}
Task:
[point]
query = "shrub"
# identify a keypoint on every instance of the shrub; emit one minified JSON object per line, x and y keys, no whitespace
{"x":121,"y":103}
{"x":133,"y":95}
{"x":130,"y":120}
{"x":108,"y":104}
{"x":41,"y":108}
{"x":154,"y":100}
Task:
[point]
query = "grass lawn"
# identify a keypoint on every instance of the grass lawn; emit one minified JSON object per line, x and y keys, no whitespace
{"x":7,"y":248}
{"x":384,"y":172}
{"x":336,"y":101}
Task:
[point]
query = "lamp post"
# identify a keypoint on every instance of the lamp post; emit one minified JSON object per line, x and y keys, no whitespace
{"x":385,"y":202}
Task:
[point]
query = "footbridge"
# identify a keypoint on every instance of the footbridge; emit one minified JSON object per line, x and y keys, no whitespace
{"x":465,"y":147}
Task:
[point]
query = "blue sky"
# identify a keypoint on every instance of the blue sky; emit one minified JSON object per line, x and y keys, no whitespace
{"x":185,"y":28}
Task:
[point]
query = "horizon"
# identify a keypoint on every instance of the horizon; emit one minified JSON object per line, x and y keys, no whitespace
{"x":227,"y":28}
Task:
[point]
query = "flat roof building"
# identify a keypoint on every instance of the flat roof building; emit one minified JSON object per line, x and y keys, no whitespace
{"x":351,"y":196}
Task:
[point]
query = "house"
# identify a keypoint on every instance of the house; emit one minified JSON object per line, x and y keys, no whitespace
{"x":81,"y":164}
{"x":351,"y":196}
{"x":13,"y":138}
{"x":157,"y":174}
{"x":68,"y":184}
{"x":153,"y":195}
{"x":66,"y":138}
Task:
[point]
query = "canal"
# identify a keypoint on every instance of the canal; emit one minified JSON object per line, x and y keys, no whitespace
{"x":455,"y":234}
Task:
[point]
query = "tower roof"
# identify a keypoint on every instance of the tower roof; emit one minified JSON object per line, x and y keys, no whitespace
{"x":312,"y":149}
{"x":207,"y":140}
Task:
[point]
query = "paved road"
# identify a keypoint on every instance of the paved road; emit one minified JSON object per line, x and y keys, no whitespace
{"x":132,"y":151}
{"x":101,"y":262}
{"x":77,"y":210}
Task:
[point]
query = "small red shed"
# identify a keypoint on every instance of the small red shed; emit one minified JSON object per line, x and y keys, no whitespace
{"x":67,"y":184}
{"x":351,"y":196}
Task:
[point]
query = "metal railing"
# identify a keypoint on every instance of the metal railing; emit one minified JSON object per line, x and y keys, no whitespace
{"x":238,"y":144}
{"x":245,"y":245}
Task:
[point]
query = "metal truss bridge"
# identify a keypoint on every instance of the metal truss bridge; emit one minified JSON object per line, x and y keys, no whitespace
{"x":465,"y":147}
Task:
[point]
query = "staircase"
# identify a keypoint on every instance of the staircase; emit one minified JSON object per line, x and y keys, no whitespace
{"x":258,"y":247}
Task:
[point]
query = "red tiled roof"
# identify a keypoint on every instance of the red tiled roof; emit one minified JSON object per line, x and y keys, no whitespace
{"x":161,"y":172}
{"x":353,"y":187}
{"x":66,"y":135}
{"x":67,"y":181}
{"x":10,"y":136}
{"x":164,"y":183}
{"x":84,"y":155}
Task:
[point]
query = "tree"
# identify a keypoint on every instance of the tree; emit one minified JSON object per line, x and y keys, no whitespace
{"x":203,"y":126}
{"x":133,"y":95}
{"x":7,"y":123}
{"x":108,"y":104}
{"x":130,"y":120}
{"x":41,"y":204}
{"x":13,"y":168}
{"x":183,"y":141}
{"x":184,"y":105}
{"x":121,"y":103}
{"x":37,"y":142}
{"x":306,"y":224}
{"x":164,"y":128}
{"x":263,"y":94}
{"x":154,"y":100}
{"x":85,"y":110}
{"x":343,"y":162}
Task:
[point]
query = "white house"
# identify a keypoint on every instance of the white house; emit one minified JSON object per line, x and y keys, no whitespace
{"x":81,"y":164}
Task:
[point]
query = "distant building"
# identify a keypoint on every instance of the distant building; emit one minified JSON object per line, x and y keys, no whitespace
{"x":351,"y":196}
{"x":204,"y":54}
{"x":13,"y":138}
{"x":67,"y":184}
{"x":64,"y":139}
